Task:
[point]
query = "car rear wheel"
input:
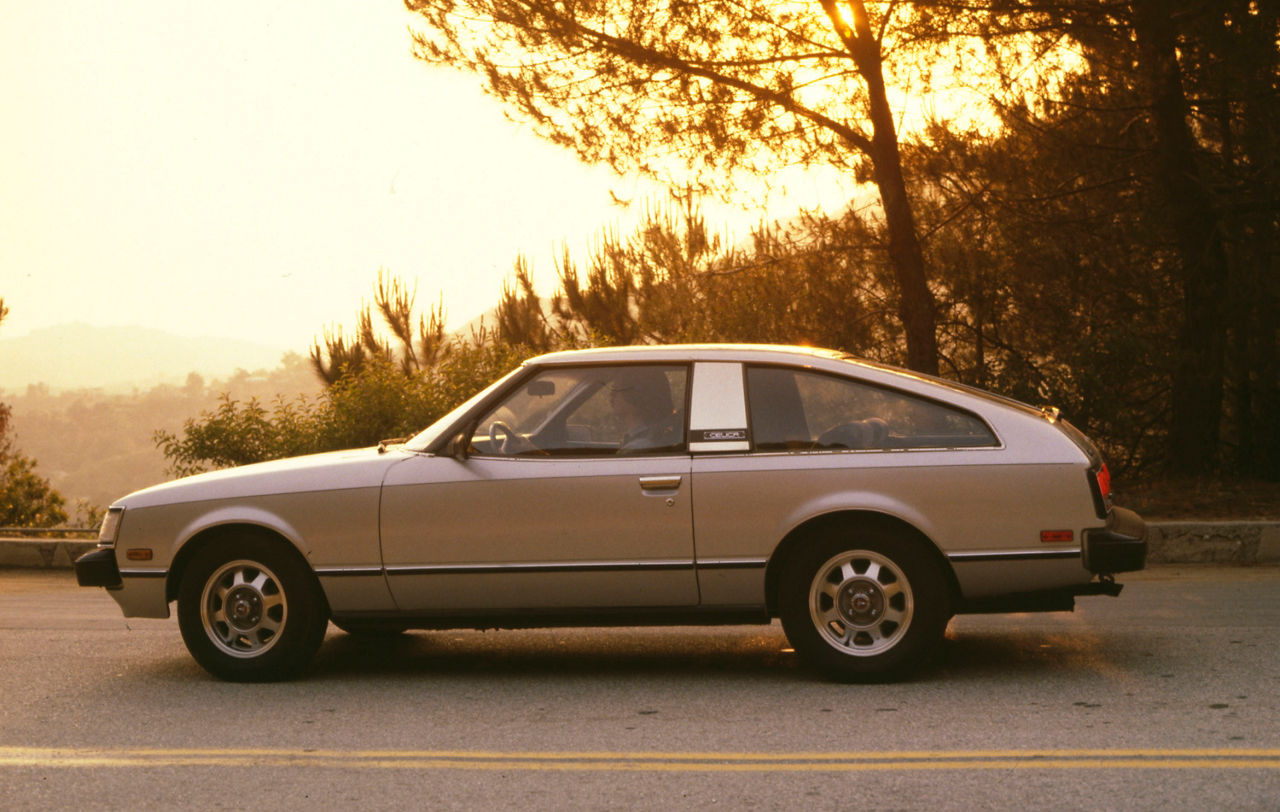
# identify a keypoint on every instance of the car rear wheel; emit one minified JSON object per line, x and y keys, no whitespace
{"x":864,"y":605}
{"x":250,"y":610}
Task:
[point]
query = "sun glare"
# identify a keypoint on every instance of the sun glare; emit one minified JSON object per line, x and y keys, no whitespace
{"x":846,"y":14}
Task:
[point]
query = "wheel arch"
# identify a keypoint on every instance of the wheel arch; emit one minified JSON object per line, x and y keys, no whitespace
{"x":221,"y":532}
{"x":818,"y":526}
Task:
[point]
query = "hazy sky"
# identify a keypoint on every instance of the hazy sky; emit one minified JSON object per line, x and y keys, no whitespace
{"x":245,"y":168}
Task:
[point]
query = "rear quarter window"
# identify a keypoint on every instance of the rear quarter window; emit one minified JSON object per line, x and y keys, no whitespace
{"x":802,"y":410}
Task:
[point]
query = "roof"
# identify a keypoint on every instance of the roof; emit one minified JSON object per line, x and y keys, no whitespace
{"x":686,"y":352}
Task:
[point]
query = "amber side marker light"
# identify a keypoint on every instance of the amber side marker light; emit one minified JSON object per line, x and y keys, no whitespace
{"x":1056,"y":536}
{"x":138,"y":554}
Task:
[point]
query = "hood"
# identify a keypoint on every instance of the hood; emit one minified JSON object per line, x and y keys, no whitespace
{"x":335,"y":470}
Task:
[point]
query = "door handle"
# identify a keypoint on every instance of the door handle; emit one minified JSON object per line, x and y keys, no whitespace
{"x":661,"y":483}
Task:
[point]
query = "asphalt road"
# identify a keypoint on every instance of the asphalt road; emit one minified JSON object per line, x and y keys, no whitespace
{"x":1166,"y":697}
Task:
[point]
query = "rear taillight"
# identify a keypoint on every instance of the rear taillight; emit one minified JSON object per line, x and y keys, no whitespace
{"x":1100,"y":484}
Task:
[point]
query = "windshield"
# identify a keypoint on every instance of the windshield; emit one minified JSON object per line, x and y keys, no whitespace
{"x":422,"y":440}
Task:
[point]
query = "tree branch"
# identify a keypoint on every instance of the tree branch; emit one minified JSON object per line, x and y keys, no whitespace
{"x":642,"y":55}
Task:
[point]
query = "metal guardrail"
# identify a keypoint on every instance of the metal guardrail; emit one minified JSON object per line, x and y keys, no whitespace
{"x":50,"y":533}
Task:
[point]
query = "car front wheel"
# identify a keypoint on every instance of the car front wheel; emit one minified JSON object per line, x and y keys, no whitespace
{"x":250,"y":610}
{"x":864,"y":606}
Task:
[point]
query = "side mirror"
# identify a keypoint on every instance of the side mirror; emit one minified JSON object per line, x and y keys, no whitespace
{"x":457,"y":447}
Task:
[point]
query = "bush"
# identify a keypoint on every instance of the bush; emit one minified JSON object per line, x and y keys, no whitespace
{"x":382,"y":400}
{"x":26,"y":498}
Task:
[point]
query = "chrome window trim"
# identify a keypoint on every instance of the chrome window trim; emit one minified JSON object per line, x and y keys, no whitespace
{"x":684,"y":455}
{"x":949,"y":449}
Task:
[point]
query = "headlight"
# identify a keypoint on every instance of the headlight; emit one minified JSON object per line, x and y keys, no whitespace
{"x":110,"y":527}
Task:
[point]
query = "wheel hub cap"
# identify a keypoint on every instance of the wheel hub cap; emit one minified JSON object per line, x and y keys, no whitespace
{"x":244,"y":608}
{"x":861,"y":603}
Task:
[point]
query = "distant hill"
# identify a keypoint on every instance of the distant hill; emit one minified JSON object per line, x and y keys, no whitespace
{"x":118,"y":359}
{"x":96,"y":445}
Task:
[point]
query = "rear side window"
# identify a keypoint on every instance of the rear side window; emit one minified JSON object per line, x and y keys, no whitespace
{"x":799,"y":410}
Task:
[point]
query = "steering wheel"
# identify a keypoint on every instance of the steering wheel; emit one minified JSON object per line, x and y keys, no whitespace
{"x":508,"y":443}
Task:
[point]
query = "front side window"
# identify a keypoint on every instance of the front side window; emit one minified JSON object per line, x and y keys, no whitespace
{"x":798,"y":410}
{"x":588,"y":411}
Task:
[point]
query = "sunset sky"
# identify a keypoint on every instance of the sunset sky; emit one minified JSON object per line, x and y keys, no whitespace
{"x":244,"y":169}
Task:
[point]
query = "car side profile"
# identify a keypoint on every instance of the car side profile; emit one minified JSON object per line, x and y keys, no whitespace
{"x":862,"y":505}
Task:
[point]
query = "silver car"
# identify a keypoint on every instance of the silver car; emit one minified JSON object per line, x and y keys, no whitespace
{"x":862,"y":505}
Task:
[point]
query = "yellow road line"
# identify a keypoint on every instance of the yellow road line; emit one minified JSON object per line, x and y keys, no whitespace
{"x":1131,"y":759}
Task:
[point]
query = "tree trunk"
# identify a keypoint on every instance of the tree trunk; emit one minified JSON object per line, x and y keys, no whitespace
{"x":1266,"y":456}
{"x":1200,"y":349}
{"x":917,"y":308}
{"x":1259,"y":297}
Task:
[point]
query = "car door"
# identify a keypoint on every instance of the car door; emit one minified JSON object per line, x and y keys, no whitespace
{"x":558,"y":504}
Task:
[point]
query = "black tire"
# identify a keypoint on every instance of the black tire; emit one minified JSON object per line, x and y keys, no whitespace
{"x":864,"y":604}
{"x":251,"y":610}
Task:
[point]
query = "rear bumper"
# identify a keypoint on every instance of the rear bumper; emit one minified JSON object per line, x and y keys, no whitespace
{"x":98,"y":568}
{"x":1121,"y":546}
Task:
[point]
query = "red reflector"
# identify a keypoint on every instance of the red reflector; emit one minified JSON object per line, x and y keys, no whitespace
{"x":1055,"y":536}
{"x":138,"y":554}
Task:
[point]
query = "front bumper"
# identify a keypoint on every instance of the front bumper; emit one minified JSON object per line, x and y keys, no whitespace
{"x":98,"y":568}
{"x":1121,"y":546}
